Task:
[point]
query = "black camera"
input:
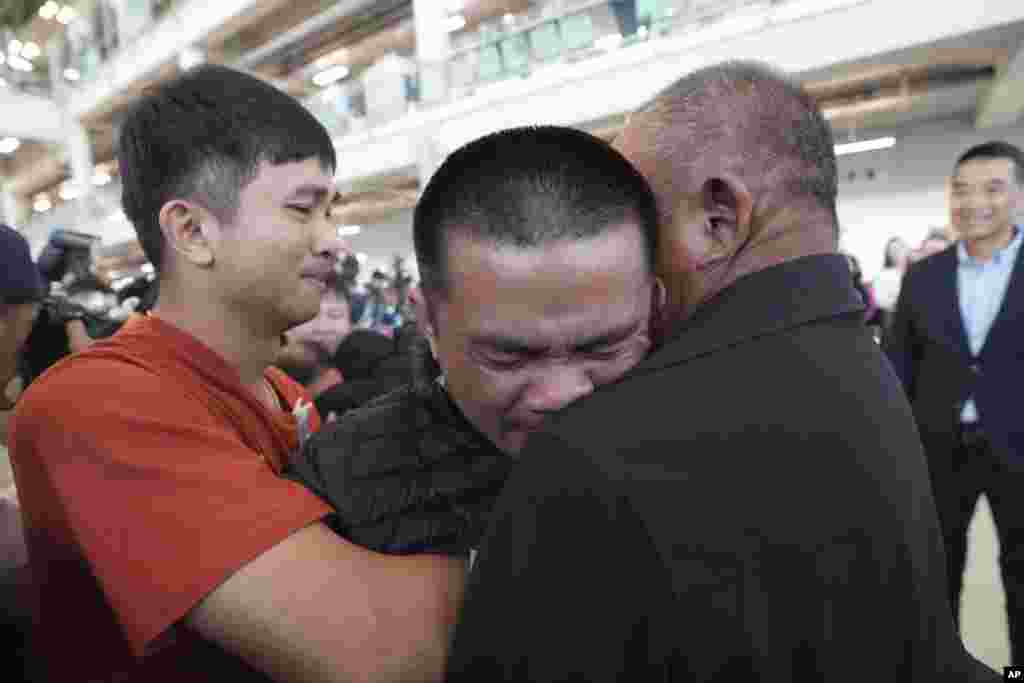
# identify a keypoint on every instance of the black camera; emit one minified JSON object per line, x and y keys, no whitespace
{"x":60,"y":310}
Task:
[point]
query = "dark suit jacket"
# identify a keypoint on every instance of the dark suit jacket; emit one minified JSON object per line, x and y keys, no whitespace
{"x":751,"y":503}
{"x":929,"y":349}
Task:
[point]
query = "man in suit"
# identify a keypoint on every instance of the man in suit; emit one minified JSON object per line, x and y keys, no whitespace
{"x":956,"y":344}
{"x":751,"y":502}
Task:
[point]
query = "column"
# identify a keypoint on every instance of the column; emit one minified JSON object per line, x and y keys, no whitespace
{"x":79,"y":150}
{"x":432,"y":47}
{"x":429,"y":155}
{"x":10,"y":211}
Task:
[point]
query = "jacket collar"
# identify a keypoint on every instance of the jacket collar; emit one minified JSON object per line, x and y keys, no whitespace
{"x":763,"y":303}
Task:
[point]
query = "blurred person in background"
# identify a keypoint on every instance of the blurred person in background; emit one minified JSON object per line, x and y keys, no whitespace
{"x":381,"y":312}
{"x":149,"y":466}
{"x":872,"y":313}
{"x":731,"y":509}
{"x":21,"y":292}
{"x":536,"y":249}
{"x":310,"y":348}
{"x":372,"y":364}
{"x":65,"y":324}
{"x":956,"y":344}
{"x":886,"y":284}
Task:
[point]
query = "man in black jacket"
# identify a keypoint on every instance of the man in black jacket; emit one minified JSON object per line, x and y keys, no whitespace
{"x":956,"y":344}
{"x":536,"y":254}
{"x":750,"y":503}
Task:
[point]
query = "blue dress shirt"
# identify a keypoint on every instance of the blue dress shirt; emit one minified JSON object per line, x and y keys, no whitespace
{"x":982,"y":287}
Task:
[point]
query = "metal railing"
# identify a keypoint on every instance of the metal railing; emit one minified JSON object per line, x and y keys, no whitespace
{"x":517,"y":46}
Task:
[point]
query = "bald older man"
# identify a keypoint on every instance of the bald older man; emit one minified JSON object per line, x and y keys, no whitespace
{"x":751,"y":503}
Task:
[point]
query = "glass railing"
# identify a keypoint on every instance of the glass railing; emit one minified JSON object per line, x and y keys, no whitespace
{"x":99,"y":35}
{"x":517,"y":46}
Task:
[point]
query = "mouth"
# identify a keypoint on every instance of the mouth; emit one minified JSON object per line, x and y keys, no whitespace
{"x":319,"y":283}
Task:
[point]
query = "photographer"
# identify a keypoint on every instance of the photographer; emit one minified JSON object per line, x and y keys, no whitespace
{"x":65,"y":326}
{"x":21,"y":289}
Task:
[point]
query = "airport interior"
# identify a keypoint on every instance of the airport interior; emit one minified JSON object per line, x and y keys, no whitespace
{"x":906,"y":86}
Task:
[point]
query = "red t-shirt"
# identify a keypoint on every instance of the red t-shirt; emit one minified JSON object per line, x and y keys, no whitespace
{"x":147,"y":476}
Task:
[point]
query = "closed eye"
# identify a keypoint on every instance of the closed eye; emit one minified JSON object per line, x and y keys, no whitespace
{"x":504,"y":361}
{"x":604,"y":354}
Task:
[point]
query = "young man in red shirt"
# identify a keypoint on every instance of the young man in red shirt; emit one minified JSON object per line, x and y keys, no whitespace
{"x":165,"y":545}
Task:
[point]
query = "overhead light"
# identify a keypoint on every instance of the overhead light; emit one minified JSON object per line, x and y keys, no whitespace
{"x":19,"y":63}
{"x":42,"y":204}
{"x":331,"y":75}
{"x":609,"y":42}
{"x":508,"y":19}
{"x":148,"y":268}
{"x":332,"y":58}
{"x":72,"y":74}
{"x":9,"y":145}
{"x":14,"y":47}
{"x":349,"y":230}
{"x":361,"y":257}
{"x":30,"y":51}
{"x":49,"y":10}
{"x":454,"y":23}
{"x":101,"y":177}
{"x":68,"y":192}
{"x":67,"y":14}
{"x":190,"y":57}
{"x":864,"y":146}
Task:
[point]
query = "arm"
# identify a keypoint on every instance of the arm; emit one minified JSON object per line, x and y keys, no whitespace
{"x":164,"y":479}
{"x":899,"y":340}
{"x":78,"y":336}
{"x":317,"y":608}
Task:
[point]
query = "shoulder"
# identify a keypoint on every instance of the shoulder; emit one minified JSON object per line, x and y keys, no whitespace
{"x":379,"y":426}
{"x":86,"y":383}
{"x":385,"y":415}
{"x":936,"y":265}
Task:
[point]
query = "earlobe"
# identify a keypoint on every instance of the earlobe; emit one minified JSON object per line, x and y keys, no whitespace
{"x":187,"y":233}
{"x":423,"y":318}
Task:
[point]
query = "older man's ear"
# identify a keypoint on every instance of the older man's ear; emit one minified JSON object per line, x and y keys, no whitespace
{"x":727,"y":209}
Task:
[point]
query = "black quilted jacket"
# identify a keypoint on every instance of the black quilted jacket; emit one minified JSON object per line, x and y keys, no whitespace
{"x":406,"y":473}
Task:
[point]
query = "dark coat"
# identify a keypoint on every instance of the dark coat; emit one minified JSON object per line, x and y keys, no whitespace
{"x":930,"y":352}
{"x":751,"y":503}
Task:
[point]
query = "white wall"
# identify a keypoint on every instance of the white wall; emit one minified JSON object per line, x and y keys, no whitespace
{"x":382,"y":241}
{"x":908,"y":195}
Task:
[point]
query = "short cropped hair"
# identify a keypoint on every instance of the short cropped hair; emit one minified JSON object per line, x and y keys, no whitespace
{"x":997,"y":149}
{"x":769,"y":128}
{"x":203,"y":137}
{"x":525,"y":188}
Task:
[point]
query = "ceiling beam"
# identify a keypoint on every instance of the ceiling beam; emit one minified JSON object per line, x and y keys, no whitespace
{"x":1003,"y":103}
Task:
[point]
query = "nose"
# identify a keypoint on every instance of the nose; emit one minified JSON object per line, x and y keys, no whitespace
{"x":557,"y":387}
{"x":328,"y":243}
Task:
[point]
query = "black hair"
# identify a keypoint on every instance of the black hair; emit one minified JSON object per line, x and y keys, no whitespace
{"x":203,"y":136}
{"x":997,"y":149}
{"x":527,"y":187}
